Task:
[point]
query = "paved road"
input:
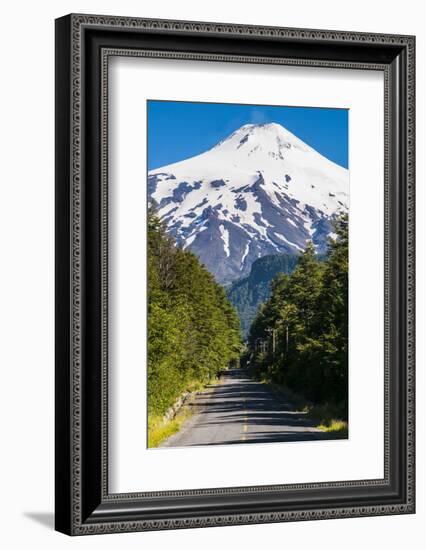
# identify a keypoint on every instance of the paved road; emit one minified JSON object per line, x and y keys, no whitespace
{"x":241,"y":410}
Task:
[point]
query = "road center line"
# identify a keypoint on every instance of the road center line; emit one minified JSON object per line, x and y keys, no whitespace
{"x":245,"y":425}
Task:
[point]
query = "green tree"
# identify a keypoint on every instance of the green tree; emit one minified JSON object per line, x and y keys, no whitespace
{"x":303,"y":326}
{"x":193,"y":331}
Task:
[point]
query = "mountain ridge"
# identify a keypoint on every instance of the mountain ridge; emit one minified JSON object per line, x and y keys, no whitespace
{"x":260,"y":191}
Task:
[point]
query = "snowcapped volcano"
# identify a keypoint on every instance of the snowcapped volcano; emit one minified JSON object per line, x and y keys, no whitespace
{"x":259,"y":191}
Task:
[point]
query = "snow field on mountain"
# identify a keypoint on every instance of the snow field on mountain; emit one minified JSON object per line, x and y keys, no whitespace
{"x":259,"y":191}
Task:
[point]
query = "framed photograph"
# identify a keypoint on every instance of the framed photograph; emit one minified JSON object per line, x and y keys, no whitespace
{"x":234,"y":274}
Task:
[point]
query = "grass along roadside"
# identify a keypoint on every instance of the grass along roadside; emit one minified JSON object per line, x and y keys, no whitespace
{"x":327,"y":417}
{"x":161,"y":427}
{"x":338,"y":428}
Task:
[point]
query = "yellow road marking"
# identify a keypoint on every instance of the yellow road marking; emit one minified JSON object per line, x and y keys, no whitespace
{"x":245,"y":426}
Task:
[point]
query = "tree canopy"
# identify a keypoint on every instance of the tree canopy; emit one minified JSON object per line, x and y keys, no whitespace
{"x":300,"y":335}
{"x":193,"y":330}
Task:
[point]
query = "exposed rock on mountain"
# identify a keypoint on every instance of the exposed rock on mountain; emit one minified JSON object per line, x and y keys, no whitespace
{"x":261,"y":191}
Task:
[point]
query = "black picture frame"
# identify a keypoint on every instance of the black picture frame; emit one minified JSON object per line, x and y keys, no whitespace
{"x":83,"y":504}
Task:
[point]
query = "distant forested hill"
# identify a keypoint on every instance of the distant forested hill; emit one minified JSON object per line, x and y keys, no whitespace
{"x":248,"y":293}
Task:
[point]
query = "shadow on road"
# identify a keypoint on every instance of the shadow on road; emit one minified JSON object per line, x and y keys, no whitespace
{"x":242,"y":410}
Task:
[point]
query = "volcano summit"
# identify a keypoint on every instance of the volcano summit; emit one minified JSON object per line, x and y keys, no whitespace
{"x":260,"y":191}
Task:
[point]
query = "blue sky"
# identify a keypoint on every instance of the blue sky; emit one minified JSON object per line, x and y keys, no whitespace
{"x":179,"y":129}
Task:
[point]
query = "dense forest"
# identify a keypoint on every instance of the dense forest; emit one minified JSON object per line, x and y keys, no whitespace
{"x":299,"y":337}
{"x":248,"y":293}
{"x":193,"y":330}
